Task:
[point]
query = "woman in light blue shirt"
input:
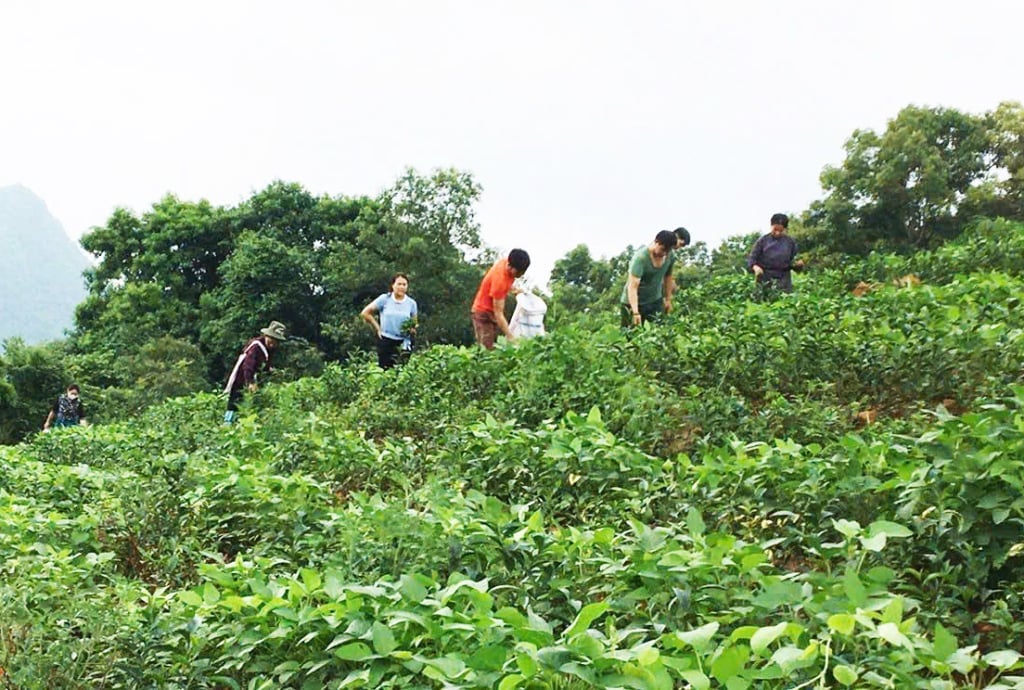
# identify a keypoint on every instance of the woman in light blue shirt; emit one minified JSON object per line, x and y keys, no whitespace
{"x":397,"y":311}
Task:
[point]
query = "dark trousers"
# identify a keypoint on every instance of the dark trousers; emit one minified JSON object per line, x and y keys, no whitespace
{"x":648,"y":312}
{"x":235,"y":397}
{"x":387,"y":351}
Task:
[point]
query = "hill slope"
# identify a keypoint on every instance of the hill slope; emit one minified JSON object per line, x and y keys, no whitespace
{"x":40,"y":269}
{"x":692,"y":505}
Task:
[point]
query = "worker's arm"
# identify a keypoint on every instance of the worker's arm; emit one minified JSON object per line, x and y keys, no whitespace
{"x":633,"y":296}
{"x":668,"y":288}
{"x":499,"y":318}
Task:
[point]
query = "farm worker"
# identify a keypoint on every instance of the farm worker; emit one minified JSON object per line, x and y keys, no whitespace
{"x":488,"y":312}
{"x":67,"y":410}
{"x":397,"y":311}
{"x":649,"y":284}
{"x":254,"y":355}
{"x":772,"y":258}
{"x":528,"y":317}
{"x":682,"y":238}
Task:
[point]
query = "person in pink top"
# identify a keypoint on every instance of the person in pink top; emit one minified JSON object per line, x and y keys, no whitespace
{"x":489,"y":305}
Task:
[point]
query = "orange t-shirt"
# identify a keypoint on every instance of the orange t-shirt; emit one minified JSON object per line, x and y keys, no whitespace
{"x":495,"y":285}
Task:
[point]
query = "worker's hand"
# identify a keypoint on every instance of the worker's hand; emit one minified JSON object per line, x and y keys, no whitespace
{"x":668,"y":306}
{"x":46,"y":429}
{"x":758,"y":271}
{"x":636,"y":318}
{"x":252,"y":387}
{"x":799,"y":264}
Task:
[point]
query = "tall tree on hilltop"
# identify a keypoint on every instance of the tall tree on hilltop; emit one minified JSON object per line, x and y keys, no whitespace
{"x":921,"y":180}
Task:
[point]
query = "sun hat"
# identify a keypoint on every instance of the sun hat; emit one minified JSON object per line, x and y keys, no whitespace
{"x":275,"y":330}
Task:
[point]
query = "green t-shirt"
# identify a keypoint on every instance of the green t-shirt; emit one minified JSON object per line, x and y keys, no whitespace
{"x":652,"y":279}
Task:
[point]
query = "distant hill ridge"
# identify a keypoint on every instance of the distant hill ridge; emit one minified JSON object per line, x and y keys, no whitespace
{"x":40,"y":269}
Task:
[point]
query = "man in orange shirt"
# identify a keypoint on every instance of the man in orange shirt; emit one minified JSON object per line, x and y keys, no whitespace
{"x":489,"y":304}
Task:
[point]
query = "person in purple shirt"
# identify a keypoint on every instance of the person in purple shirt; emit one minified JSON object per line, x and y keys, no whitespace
{"x":254,"y":356}
{"x":773,"y":257}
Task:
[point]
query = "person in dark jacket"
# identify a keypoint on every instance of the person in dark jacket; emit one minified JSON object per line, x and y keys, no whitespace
{"x":255,"y":355}
{"x":67,"y":410}
{"x":773,"y":257}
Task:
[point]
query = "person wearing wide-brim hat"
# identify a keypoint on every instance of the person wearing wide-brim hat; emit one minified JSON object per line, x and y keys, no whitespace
{"x":255,"y":354}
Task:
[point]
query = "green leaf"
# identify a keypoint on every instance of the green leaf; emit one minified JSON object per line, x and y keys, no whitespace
{"x":847,"y":528}
{"x":699,"y":638}
{"x":945,"y":643}
{"x":489,"y":658}
{"x":648,"y":656}
{"x":451,"y":667}
{"x":697,"y":679}
{"x":333,"y":584}
{"x":728,"y":664}
{"x":788,"y":658}
{"x":893,"y":613}
{"x":854,"y":588}
{"x":1003,"y":659}
{"x":527,"y":664}
{"x":695,"y":523}
{"x":889,"y":529}
{"x":574,"y":668}
{"x":211,"y":595}
{"x":510,"y":682}
{"x":412,"y":589}
{"x":765,"y":636}
{"x":383,"y":639}
{"x":891,"y":634}
{"x":585,"y":617}
{"x":190,"y":598}
{"x":354,"y":651}
{"x":874,"y":543}
{"x":842,"y":623}
{"x":311,"y":579}
{"x":845,"y":675}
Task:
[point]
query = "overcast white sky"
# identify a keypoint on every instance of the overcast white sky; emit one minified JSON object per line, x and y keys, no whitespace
{"x":592,"y":121}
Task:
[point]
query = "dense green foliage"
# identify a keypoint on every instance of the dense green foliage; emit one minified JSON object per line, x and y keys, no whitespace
{"x":930,"y":173}
{"x":179,"y":289}
{"x":702,"y":503}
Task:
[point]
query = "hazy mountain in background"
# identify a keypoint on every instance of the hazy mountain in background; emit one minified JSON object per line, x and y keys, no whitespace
{"x":40,"y":269}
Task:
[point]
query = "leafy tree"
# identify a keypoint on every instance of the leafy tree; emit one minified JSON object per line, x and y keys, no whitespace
{"x":923,"y":179}
{"x":440,"y":206}
{"x":1006,"y":129}
{"x":31,"y":377}
{"x":581,"y":285}
{"x":213,"y":276}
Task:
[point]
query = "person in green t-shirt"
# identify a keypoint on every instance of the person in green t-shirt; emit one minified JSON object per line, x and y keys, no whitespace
{"x":649,"y":284}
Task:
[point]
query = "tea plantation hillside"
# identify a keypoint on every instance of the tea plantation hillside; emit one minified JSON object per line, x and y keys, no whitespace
{"x":819,"y":490}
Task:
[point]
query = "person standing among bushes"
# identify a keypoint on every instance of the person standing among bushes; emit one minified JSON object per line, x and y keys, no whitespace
{"x":773,"y":257}
{"x":255,"y":355}
{"x":489,"y":304}
{"x":398,"y":312}
{"x":67,"y":410}
{"x":649,"y":285}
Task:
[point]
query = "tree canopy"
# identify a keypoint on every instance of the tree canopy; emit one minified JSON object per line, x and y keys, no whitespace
{"x":921,"y":180}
